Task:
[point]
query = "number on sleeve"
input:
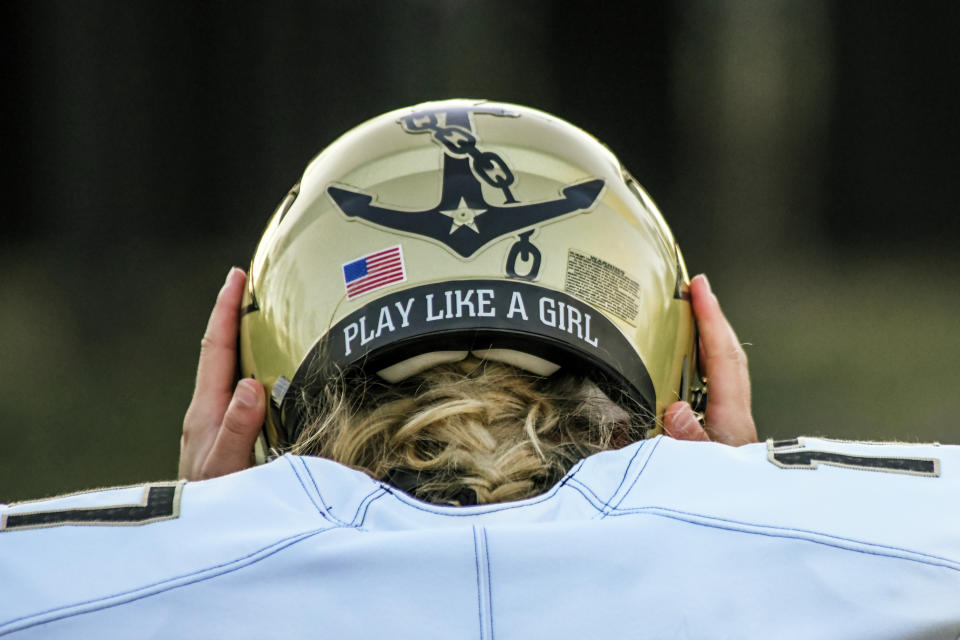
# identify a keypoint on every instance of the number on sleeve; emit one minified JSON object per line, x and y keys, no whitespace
{"x":160,"y":501}
{"x":793,"y":454}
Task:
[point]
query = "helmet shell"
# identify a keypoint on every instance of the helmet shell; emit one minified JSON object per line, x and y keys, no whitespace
{"x":463,"y":225}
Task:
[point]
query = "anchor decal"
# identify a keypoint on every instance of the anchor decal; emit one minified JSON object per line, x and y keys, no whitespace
{"x":463,"y":219}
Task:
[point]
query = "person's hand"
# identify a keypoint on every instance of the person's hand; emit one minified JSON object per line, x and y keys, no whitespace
{"x":728,"y":418}
{"x":222,"y":421}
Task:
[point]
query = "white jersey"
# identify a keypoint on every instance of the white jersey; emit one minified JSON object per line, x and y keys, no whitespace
{"x":804,"y":538}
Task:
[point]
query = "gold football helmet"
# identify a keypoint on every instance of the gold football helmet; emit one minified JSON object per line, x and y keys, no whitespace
{"x":458,"y":227}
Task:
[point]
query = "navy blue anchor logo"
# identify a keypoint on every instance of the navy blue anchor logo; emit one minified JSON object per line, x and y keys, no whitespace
{"x":463,"y":220}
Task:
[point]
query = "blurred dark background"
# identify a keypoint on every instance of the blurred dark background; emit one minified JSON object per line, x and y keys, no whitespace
{"x":803,"y":151}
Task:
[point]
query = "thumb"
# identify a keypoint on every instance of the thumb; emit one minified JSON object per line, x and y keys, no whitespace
{"x":238,"y":432}
{"x":680,"y":422}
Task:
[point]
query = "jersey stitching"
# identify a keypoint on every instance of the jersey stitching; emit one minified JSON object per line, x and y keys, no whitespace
{"x":486,"y":548}
{"x":448,"y":511}
{"x":573,"y":485}
{"x":637,"y":477}
{"x":476,"y":561}
{"x":571,"y":478}
{"x":365,"y":506}
{"x":626,"y":473}
{"x":416,"y":504}
{"x":592,"y":498}
{"x":161,"y":586}
{"x":573,"y":472}
{"x":327,"y":508}
{"x":623,"y":478}
{"x":484,"y":588}
{"x":321,"y":510}
{"x":815,"y":537}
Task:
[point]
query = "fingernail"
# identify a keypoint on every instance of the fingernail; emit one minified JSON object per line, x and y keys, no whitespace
{"x":245,"y":396}
{"x":684,"y":422}
{"x":670,"y":419}
{"x":230,"y":274}
{"x":226,"y":283}
{"x":706,"y":281}
{"x":690,"y":421}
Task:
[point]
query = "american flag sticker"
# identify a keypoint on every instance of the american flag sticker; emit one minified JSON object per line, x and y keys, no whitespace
{"x":374,"y":271}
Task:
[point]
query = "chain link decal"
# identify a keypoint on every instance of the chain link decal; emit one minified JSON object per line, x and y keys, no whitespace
{"x":460,"y":142}
{"x":524,"y":250}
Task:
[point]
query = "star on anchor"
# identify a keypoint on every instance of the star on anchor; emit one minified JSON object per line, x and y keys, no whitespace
{"x":463,"y":216}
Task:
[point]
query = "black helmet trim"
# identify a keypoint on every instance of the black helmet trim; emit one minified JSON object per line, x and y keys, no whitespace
{"x":473,"y":315}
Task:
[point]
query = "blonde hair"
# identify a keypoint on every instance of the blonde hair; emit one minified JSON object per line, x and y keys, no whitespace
{"x":468,"y":432}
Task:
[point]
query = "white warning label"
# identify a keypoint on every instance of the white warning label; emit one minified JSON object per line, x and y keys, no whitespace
{"x":603,"y":285}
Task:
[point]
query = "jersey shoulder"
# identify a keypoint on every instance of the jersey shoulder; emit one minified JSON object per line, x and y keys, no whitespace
{"x":88,"y":547}
{"x":885,"y":495}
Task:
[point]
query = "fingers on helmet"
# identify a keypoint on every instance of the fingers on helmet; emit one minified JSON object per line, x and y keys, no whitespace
{"x":218,"y":348}
{"x":241,"y":424}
